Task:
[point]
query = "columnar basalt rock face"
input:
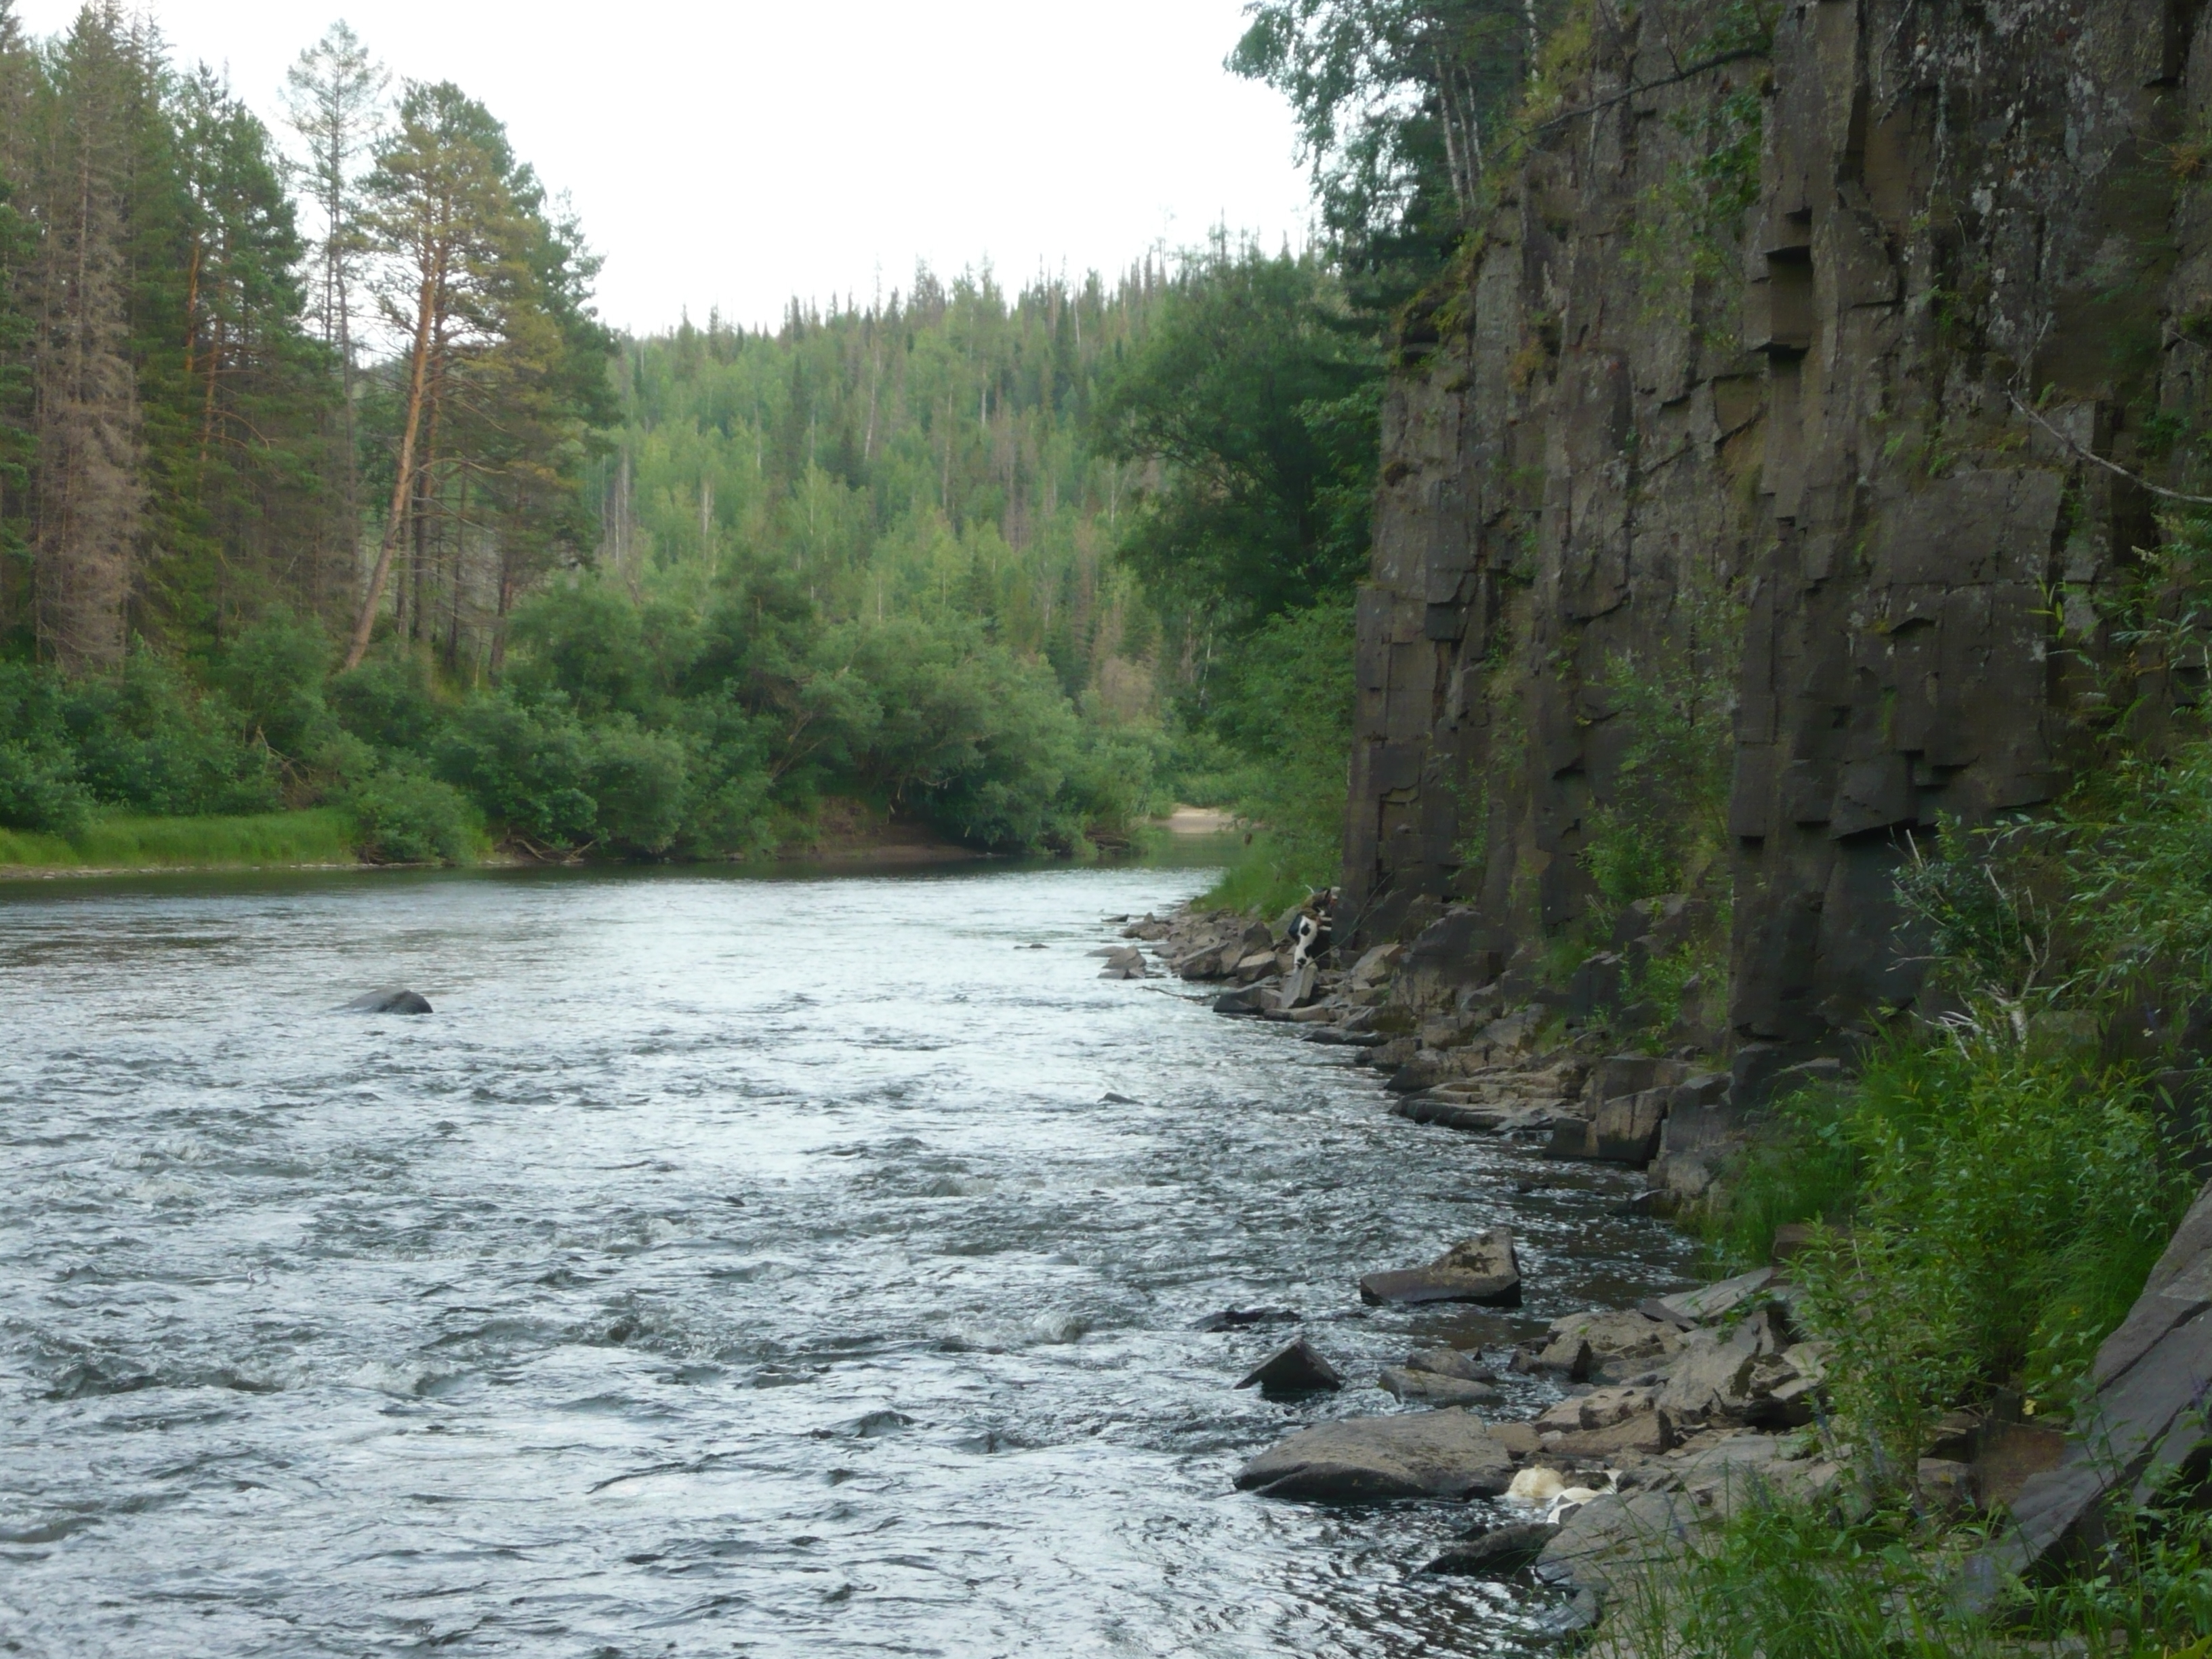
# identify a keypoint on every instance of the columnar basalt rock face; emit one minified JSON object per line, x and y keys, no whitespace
{"x":1784,"y":443}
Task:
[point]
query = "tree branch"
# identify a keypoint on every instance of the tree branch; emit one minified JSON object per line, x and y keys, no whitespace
{"x":2113,"y":467}
{"x":1623,"y":96}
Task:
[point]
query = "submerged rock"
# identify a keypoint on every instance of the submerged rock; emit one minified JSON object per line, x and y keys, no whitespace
{"x":1495,"y":1551}
{"x":1482,"y":1270}
{"x":1434,"y":1389}
{"x":389,"y":1002}
{"x":1237,"y":1319}
{"x":1294,"y":1368}
{"x":1442,"y":1454}
{"x":1450,"y":1362}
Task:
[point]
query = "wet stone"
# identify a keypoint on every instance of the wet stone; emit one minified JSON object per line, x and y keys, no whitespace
{"x":1297,"y":1368}
{"x":389,"y":1001}
{"x":1442,"y":1454}
{"x":1484,"y":1270}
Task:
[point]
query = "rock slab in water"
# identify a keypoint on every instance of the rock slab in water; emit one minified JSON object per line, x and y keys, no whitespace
{"x":1450,"y":1362}
{"x":1482,"y":1270}
{"x":389,"y":1002}
{"x":2151,"y":1377}
{"x":1294,"y":1368}
{"x":1433,"y":1388}
{"x":1445,"y":1453}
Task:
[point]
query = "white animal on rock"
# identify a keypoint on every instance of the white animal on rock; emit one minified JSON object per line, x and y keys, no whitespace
{"x":1537,"y":1486}
{"x":1309,"y":931}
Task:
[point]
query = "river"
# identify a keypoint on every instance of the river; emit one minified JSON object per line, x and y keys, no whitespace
{"x":793,"y":1265}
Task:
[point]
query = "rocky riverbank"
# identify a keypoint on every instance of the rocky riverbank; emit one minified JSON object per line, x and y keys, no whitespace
{"x":1646,"y":1425}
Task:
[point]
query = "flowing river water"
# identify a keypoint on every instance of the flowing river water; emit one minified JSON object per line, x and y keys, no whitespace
{"x":799,"y":1266}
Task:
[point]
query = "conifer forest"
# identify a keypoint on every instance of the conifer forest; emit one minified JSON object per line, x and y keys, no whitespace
{"x":323,"y":490}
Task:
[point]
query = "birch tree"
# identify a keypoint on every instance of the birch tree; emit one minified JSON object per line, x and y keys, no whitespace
{"x":334,"y":101}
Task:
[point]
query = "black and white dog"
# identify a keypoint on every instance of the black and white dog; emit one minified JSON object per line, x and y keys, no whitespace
{"x":1309,"y":931}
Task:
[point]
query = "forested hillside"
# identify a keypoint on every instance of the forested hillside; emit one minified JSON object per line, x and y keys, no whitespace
{"x":925,"y":457}
{"x":324,"y":487}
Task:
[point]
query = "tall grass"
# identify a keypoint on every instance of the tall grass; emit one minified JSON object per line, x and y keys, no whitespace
{"x":1781,"y":1580}
{"x":325,"y":836}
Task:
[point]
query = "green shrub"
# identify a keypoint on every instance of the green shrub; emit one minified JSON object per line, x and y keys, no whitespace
{"x":387,"y":701}
{"x":592,"y":644}
{"x":1994,"y":1206}
{"x":272,"y":675}
{"x":1264,"y":878}
{"x":39,"y":788}
{"x":1283,"y":699}
{"x":638,"y":788}
{"x":1113,"y":779}
{"x":728,"y":800}
{"x":1782,"y":1580}
{"x":527,"y":766}
{"x":976,"y":741}
{"x":402,"y":818}
{"x":147,"y":745}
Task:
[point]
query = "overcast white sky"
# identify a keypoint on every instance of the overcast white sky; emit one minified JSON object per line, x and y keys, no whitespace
{"x":737,"y":154}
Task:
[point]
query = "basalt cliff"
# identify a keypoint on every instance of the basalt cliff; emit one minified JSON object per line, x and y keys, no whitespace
{"x":1799,"y":411}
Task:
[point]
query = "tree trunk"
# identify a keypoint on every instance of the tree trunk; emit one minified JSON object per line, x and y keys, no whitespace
{"x":395,"y":522}
{"x":90,"y":493}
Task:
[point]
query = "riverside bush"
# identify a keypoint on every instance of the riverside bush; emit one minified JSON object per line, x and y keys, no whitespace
{"x":529,"y":765}
{"x":1284,"y":698}
{"x":1827,"y":1580}
{"x":403,"y":818}
{"x":39,"y":788}
{"x":1993,"y":1212}
{"x":698,"y":727}
{"x":145,"y":743}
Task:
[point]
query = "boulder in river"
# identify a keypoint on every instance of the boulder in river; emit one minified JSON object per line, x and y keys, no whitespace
{"x":1295,"y":1368}
{"x":1482,"y":1270}
{"x":1619,"y":1345}
{"x":1123,"y":962}
{"x":391,"y":1001}
{"x":1365,"y":1459}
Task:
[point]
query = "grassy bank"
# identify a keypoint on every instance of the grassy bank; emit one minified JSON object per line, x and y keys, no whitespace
{"x":325,"y":836}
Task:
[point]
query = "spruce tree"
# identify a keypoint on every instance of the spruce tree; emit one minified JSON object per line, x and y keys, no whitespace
{"x":91,"y":491}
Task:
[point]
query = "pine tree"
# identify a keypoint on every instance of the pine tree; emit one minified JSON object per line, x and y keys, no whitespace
{"x":439,"y":204}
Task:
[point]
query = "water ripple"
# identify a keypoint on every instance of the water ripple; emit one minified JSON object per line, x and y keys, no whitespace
{"x":791,"y":1267}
